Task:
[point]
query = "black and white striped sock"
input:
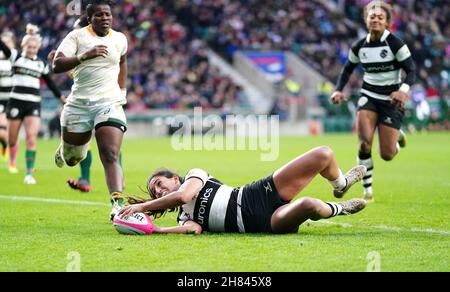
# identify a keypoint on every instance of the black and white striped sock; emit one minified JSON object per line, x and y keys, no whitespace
{"x":366,"y":160}
{"x":336,"y":209}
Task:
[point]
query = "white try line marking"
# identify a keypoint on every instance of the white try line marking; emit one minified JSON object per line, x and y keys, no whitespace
{"x":327,"y":222}
{"x":58,"y":201}
{"x":383,"y":227}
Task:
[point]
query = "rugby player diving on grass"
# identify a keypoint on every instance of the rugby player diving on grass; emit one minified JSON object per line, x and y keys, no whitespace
{"x":263,"y":206}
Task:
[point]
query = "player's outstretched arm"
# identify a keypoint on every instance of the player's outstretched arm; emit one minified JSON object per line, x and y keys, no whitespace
{"x":190,"y":227}
{"x":186,"y":193}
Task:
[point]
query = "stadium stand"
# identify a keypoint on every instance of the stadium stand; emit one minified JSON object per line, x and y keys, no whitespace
{"x":180,"y":75}
{"x":321,"y":34}
{"x":171,"y":38}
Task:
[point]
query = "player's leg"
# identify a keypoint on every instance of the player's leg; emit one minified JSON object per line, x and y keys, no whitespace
{"x":293,"y":177}
{"x":389,"y":133}
{"x":367,"y":122}
{"x":287,"y":218}
{"x":76,"y":128}
{"x":121,"y":165}
{"x":73,"y":148}
{"x":13,"y":141}
{"x":84,"y":182}
{"x":75,"y":143}
{"x":32,"y":125}
{"x":3,"y":133}
{"x":388,"y":137}
{"x":109,"y":141}
{"x":110,"y":126}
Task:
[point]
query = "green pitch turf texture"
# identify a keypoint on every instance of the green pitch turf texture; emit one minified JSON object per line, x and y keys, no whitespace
{"x":408,"y":227}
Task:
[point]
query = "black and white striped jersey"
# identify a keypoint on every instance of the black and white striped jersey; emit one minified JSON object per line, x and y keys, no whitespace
{"x":5,"y":77}
{"x":382,"y":62}
{"x":214,"y":207}
{"x":27,"y":74}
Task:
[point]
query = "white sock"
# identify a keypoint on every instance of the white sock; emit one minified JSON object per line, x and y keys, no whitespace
{"x":340,"y":182}
{"x":336,"y":209}
{"x":368,"y":191}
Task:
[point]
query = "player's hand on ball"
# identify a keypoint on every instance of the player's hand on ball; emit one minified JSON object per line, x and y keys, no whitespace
{"x":130,"y":210}
{"x":398,"y":98}
{"x":337,"y":97}
{"x":97,"y":51}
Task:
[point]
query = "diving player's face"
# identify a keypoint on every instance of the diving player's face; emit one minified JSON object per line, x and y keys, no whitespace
{"x":161,"y":185}
{"x":31,"y":49}
{"x":101,"y":19}
{"x":377,"y":20}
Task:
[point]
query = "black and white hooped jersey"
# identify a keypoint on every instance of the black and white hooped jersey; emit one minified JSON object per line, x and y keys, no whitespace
{"x":27,"y":74}
{"x":214,"y":207}
{"x":5,"y":77}
{"x":382,"y":61}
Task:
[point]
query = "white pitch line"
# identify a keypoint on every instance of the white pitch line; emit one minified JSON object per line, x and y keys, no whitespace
{"x":384,"y":227}
{"x":345,"y":225}
{"x":59,"y":201}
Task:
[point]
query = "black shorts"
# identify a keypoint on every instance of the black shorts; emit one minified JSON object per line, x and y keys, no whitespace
{"x":388,"y":114}
{"x":260,"y":199}
{"x":3,"y":105}
{"x":19,"y":109}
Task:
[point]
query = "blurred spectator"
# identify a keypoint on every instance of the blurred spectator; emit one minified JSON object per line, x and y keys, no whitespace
{"x":167,"y":69}
{"x":168,"y":65}
{"x":321,"y":34}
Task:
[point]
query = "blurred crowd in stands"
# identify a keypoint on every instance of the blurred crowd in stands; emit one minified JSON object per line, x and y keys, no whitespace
{"x":168,"y":40}
{"x":166,"y":67}
{"x":321,"y":33}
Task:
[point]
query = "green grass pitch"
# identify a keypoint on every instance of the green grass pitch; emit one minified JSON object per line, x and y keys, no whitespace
{"x":407,"y":228}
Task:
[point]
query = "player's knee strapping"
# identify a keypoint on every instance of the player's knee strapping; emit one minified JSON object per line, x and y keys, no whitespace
{"x":74,"y":154}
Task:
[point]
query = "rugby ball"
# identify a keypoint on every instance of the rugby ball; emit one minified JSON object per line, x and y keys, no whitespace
{"x":136,"y":224}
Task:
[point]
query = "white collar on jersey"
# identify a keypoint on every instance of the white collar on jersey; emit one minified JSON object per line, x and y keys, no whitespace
{"x":386,"y":33}
{"x":25,"y":56}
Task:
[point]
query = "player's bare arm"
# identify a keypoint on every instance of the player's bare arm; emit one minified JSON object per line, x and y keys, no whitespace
{"x":62,"y":63}
{"x":122,"y":80}
{"x":186,"y":193}
{"x":338,"y":96}
{"x":190,"y":227}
